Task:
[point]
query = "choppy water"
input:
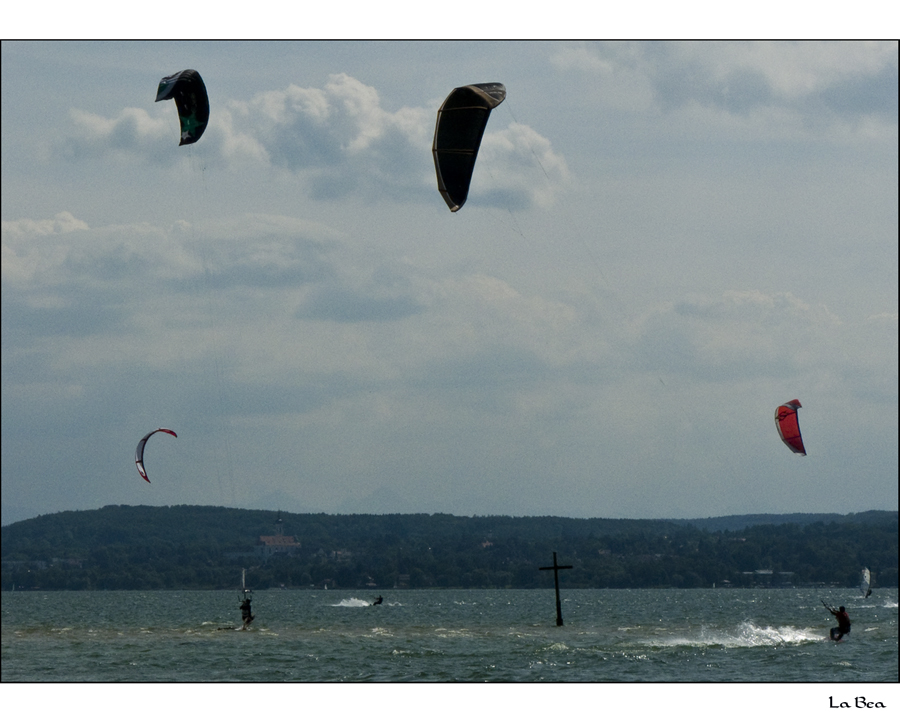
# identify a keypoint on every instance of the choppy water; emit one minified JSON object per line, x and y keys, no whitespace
{"x":449,"y":635}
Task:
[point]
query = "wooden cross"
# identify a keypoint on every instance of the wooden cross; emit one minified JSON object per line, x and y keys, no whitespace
{"x":556,"y":568}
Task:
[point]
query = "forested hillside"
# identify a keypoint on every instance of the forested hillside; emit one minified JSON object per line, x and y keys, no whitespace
{"x":191,"y":547}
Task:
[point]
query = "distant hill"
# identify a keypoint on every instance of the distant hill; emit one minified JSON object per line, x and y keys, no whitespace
{"x":194,"y":547}
{"x":740,"y":522}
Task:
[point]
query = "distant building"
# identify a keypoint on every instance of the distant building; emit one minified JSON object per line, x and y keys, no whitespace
{"x":277,"y":544}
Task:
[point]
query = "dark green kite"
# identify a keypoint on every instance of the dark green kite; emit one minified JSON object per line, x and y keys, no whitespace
{"x":189,"y":93}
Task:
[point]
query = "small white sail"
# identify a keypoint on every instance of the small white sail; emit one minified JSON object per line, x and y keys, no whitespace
{"x":865,"y":580}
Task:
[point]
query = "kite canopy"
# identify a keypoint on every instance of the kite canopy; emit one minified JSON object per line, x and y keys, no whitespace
{"x":460,"y":125}
{"x":788,"y":426}
{"x":189,"y":92}
{"x":139,"y":453}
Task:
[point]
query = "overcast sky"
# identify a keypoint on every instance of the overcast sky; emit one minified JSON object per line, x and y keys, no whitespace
{"x":662,"y":243}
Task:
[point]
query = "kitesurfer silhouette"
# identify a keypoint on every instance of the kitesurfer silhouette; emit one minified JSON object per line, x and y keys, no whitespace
{"x":378,"y":600}
{"x":843,"y":620}
{"x":246,"y":615}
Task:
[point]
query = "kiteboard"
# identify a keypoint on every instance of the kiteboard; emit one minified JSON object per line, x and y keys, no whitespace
{"x":245,"y":626}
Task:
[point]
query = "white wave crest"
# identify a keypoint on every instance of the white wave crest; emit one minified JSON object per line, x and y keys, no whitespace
{"x":748,"y":635}
{"x":353,"y":602}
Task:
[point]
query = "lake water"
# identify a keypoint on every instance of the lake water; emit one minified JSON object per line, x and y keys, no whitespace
{"x":449,"y":635}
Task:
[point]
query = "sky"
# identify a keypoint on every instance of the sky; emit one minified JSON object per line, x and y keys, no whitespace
{"x":662,"y":243}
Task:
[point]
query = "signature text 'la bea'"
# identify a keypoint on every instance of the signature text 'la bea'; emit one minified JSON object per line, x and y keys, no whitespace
{"x":860,"y":702}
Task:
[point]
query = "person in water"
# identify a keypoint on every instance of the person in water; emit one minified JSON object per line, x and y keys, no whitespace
{"x":378,"y":600}
{"x":246,"y":615}
{"x":843,"y":623}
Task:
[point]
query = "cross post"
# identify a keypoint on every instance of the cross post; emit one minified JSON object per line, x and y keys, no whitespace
{"x":556,"y":568}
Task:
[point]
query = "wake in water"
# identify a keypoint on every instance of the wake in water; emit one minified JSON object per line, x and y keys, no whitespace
{"x":353,"y":602}
{"x":747,"y":635}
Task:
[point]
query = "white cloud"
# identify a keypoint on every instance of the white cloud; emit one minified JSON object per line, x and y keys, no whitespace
{"x":24,"y":252}
{"x":518,"y":167}
{"x":747,"y":87}
{"x":339,"y":139}
{"x":65,"y":253}
{"x":133,"y":132}
{"x":796,"y":70}
{"x":63,"y":222}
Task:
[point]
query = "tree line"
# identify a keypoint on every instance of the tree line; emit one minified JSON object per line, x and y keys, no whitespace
{"x":194,"y":547}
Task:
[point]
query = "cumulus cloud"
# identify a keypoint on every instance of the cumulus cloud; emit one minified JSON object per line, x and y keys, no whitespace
{"x":340,"y":139}
{"x":132,"y":132}
{"x":519,"y":169}
{"x":281,"y":295}
{"x":26,"y":250}
{"x":62,"y":277}
{"x":274,"y":277}
{"x":796,"y":86}
{"x":63,"y":222}
{"x":64,"y":252}
{"x":347,"y":142}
